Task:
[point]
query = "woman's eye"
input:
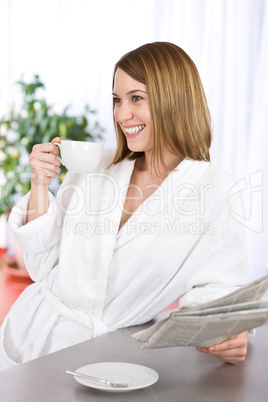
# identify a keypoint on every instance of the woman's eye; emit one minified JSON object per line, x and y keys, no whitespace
{"x":116,"y":100}
{"x":136,"y":98}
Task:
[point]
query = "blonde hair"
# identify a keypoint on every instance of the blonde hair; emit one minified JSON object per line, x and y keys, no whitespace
{"x":181,"y":118}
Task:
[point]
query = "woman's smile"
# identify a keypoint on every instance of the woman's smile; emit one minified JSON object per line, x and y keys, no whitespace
{"x":133,"y":131}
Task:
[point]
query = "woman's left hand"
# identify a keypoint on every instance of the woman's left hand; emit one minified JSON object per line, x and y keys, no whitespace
{"x":232,"y":350}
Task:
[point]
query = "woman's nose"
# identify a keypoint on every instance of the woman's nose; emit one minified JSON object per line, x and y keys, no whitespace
{"x":123,"y":112}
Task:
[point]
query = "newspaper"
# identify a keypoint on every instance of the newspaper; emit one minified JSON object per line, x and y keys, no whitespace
{"x":210,"y":323}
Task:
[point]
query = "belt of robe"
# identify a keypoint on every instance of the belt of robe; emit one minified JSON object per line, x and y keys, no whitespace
{"x":95,"y":324}
{"x":89,"y":320}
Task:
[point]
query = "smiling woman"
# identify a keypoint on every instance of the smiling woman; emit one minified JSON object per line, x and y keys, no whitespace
{"x":137,"y":205}
{"x":169,"y":96}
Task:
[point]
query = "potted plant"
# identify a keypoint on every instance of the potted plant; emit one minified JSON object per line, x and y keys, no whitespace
{"x":36,"y":122}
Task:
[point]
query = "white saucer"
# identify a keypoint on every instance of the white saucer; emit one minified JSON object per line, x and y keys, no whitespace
{"x":134,"y":374}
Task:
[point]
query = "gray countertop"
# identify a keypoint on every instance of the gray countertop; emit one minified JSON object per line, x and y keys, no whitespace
{"x":184,"y":374}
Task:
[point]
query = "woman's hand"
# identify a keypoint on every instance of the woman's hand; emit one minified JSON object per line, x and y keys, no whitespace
{"x":232,"y":351}
{"x":44,"y":167}
{"x":44,"y":163}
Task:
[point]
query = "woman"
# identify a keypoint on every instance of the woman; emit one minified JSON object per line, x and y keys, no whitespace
{"x":150,"y":226}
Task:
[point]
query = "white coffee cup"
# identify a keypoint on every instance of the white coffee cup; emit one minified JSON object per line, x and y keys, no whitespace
{"x":80,"y":156}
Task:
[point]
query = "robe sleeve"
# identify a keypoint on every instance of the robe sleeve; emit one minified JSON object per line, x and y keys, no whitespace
{"x":220,"y":262}
{"x":40,"y":239}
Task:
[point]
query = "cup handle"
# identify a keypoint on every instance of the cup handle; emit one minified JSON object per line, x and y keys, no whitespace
{"x":58,"y":144}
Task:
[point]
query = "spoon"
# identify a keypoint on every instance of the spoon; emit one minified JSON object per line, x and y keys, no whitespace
{"x":99,"y":380}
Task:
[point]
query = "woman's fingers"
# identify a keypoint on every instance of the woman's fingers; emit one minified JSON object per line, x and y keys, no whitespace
{"x":50,"y":167}
{"x":233,"y":350}
{"x":57,"y":139}
{"x":233,"y":356}
{"x":232,"y":343}
{"x":47,"y":147}
{"x":45,"y":157}
{"x":44,"y":162}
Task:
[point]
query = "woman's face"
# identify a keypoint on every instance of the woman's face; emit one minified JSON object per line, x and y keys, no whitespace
{"x":132,"y":112}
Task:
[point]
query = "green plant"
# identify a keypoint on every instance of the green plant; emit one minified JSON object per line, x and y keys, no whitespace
{"x":35,"y":123}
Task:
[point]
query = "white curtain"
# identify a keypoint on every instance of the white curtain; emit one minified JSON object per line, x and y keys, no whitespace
{"x":74,"y":44}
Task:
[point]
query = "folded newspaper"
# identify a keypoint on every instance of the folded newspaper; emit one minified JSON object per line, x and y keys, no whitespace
{"x":210,"y":323}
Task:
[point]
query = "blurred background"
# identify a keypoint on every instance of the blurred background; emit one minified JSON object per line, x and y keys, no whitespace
{"x":73,"y":45}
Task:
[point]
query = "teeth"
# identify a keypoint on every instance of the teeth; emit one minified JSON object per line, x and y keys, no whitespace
{"x":134,"y":130}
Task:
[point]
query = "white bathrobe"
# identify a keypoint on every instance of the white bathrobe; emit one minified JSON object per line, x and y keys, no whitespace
{"x":183,"y":242}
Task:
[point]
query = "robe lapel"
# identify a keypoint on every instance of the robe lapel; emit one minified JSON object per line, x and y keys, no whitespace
{"x":153,"y":214}
{"x":113,"y":185}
